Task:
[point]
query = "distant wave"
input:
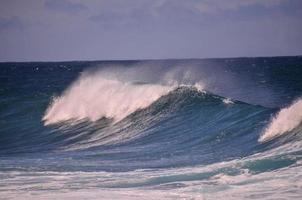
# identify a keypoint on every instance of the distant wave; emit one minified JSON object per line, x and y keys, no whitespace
{"x":285,"y":121}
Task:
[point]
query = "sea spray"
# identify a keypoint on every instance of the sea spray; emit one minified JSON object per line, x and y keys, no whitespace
{"x":94,"y":97}
{"x":113,"y":93}
{"x":285,"y":121}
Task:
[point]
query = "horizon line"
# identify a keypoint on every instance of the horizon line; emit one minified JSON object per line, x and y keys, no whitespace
{"x":146,"y":59}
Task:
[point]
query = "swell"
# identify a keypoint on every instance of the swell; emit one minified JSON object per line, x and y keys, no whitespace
{"x":184,"y":127}
{"x":184,"y":122}
{"x":168,"y":116}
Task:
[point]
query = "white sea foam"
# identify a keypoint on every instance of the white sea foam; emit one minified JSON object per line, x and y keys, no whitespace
{"x":286,"y":120}
{"x":94,"y":97}
{"x":227,"y":101}
{"x":103,"y":94}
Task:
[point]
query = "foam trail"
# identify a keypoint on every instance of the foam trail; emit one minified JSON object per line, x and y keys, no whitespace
{"x":286,"y":120}
{"x":94,"y":96}
{"x":227,"y":101}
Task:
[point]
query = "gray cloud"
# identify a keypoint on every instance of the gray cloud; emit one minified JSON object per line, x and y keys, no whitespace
{"x":65,"y":6}
{"x":217,"y":6}
{"x":136,"y":29}
{"x":11,"y":23}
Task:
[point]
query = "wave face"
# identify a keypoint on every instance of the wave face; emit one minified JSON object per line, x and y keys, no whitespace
{"x":167,"y":129}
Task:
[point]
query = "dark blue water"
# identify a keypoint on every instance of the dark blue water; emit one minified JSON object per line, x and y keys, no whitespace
{"x":162,"y":129}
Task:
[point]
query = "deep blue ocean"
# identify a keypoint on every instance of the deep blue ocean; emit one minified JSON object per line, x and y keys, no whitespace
{"x":152,"y":129}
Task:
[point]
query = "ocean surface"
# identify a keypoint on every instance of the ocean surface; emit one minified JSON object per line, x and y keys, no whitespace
{"x":155,"y":129}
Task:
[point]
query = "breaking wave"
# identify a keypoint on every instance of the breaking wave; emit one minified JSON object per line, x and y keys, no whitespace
{"x":95,"y":95}
{"x":285,"y":121}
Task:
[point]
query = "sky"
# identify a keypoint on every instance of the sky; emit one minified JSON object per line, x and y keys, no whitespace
{"x":59,"y":30}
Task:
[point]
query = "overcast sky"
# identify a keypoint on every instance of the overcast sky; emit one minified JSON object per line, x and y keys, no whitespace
{"x":52,"y":30}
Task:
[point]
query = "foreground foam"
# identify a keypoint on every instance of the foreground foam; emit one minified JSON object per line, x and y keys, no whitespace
{"x":93,"y":97}
{"x":286,"y":120}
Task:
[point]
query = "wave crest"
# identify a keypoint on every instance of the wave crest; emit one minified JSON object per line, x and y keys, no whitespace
{"x":111,"y":94}
{"x":285,"y":121}
{"x":93,"y":97}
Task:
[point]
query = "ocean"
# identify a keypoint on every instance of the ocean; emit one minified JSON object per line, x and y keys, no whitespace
{"x":228,"y":128}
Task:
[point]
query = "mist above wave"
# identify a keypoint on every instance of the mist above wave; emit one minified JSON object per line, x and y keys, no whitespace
{"x":111,"y":94}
